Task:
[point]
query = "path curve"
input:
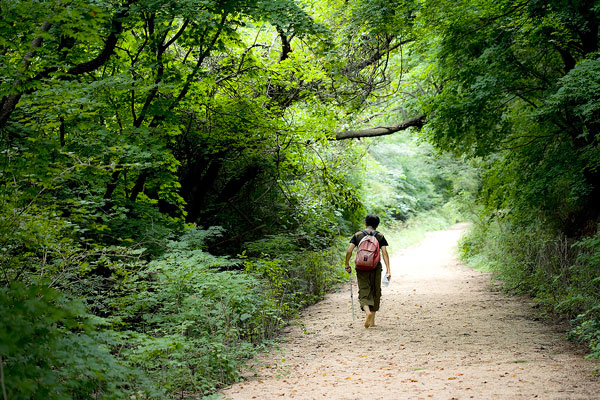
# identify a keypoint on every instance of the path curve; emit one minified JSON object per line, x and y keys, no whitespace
{"x":443,"y":333}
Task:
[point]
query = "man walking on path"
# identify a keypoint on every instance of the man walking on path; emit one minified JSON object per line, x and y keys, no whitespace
{"x":369,"y":281}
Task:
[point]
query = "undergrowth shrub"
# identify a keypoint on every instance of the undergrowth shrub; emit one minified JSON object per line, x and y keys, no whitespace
{"x":585,"y":292}
{"x":190,"y":323}
{"x":295,"y":276}
{"x":179,"y":326}
{"x":561,"y":275}
{"x":52,"y":348}
{"x":190,"y":320}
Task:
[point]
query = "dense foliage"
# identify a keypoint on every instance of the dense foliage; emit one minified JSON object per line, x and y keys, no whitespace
{"x":171,"y":193}
{"x":512,"y":86}
{"x":517,"y":92}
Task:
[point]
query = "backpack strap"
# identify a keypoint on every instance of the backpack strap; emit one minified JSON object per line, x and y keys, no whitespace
{"x":360,"y":235}
{"x":366,"y":233}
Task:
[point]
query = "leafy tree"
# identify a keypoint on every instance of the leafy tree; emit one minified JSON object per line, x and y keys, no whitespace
{"x":123,"y":122}
{"x":512,"y":86}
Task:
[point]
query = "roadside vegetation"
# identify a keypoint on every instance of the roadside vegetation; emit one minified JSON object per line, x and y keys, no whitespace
{"x":170,"y":193}
{"x":178,"y":179}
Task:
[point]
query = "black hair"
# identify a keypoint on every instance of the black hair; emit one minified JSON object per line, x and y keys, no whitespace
{"x":372,"y":220}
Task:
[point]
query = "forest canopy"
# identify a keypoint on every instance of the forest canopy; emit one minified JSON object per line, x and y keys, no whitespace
{"x":172,"y":190}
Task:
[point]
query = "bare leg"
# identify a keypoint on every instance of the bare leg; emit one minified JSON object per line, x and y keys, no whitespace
{"x":368,"y":319}
{"x":372,"y":323}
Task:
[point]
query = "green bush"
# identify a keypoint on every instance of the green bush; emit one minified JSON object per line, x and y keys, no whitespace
{"x":583,"y":294}
{"x":189,"y":324}
{"x":51,"y":348}
{"x":190,"y":320}
{"x":295,"y":277}
{"x":186,"y":321}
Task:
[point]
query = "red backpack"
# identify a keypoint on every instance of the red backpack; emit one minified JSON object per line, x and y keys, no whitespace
{"x":367,"y":255}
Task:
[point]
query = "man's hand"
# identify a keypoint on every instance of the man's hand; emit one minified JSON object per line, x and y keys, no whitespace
{"x":386,"y":259}
{"x":348,"y":257}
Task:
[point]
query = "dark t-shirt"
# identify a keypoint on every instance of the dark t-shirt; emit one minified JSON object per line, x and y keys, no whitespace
{"x":357,"y":237}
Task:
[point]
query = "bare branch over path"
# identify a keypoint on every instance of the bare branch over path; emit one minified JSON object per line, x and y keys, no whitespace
{"x":382,"y":130}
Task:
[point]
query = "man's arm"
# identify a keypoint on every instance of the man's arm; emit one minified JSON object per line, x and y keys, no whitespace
{"x":386,"y":259}
{"x":348,"y":256}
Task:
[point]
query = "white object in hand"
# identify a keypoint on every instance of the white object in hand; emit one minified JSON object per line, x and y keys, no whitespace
{"x":386,"y":280}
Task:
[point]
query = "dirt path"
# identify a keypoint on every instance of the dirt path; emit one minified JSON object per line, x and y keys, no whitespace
{"x":442,"y":333}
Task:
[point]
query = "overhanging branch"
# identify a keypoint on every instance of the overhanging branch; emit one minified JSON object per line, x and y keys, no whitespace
{"x":379,"y":54}
{"x":109,"y":44}
{"x":417,"y":122}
